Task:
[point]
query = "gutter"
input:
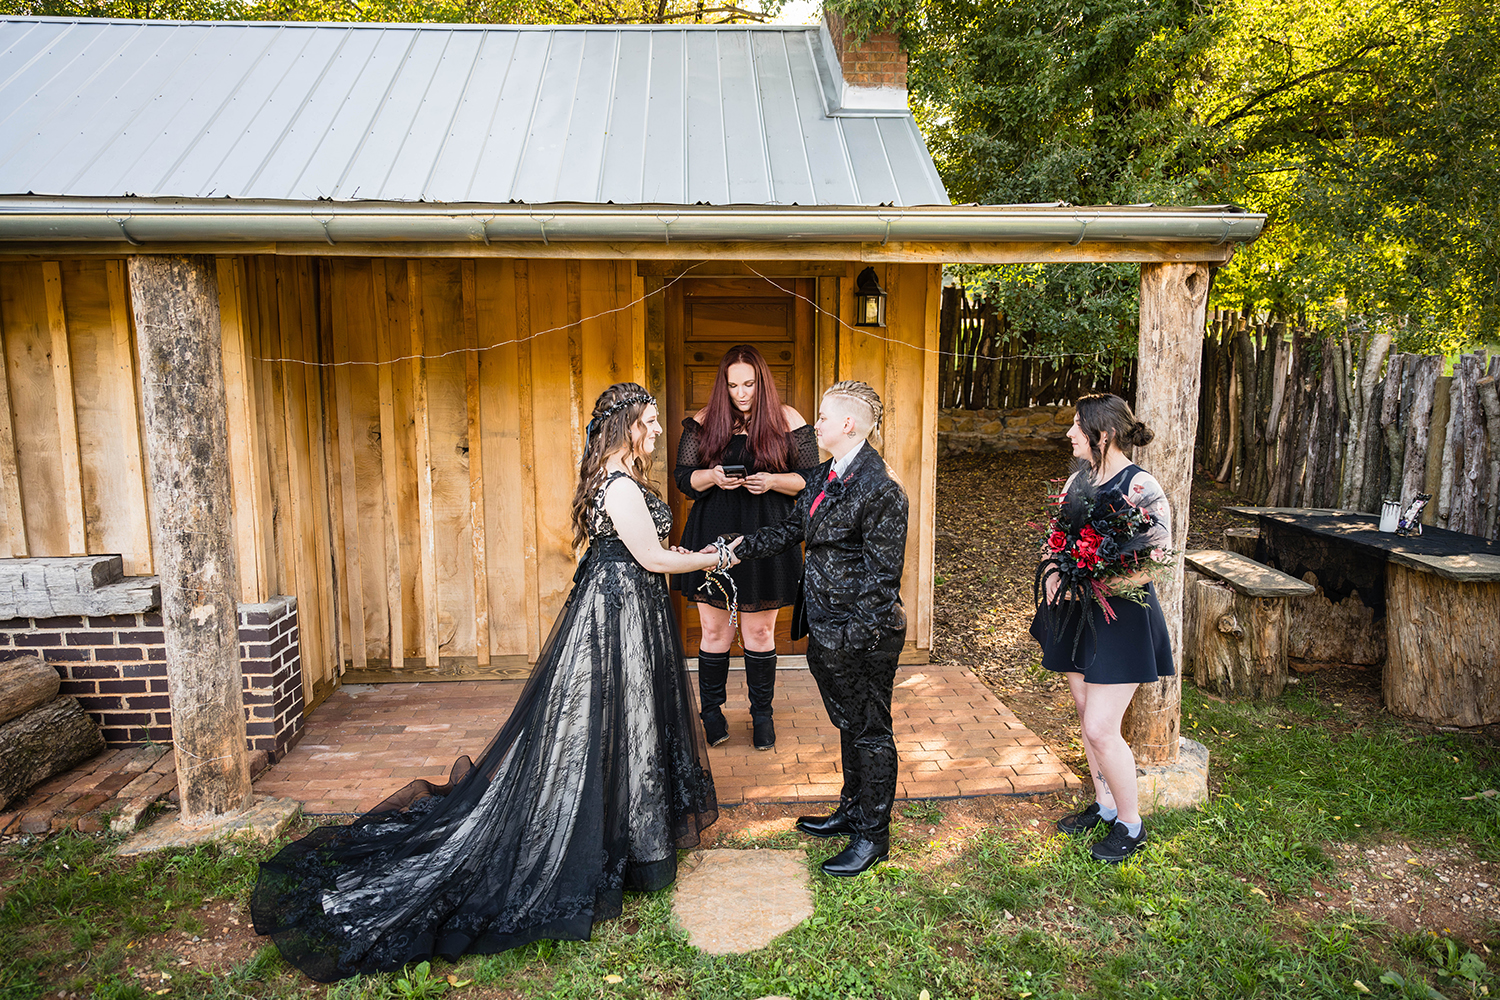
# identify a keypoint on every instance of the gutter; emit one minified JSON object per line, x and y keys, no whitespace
{"x":144,"y":221}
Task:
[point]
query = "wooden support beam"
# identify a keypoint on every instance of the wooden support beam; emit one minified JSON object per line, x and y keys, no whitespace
{"x":427,"y":600}
{"x":70,"y":462}
{"x":470,"y":293}
{"x":353,"y":578}
{"x":1174,"y":301}
{"x":927,"y":487}
{"x":390,"y":467}
{"x":176,"y":305}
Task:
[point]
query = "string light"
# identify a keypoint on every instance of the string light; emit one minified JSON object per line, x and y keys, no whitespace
{"x":862,"y":331}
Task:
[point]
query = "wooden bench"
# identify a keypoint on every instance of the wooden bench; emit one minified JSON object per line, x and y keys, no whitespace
{"x":1235,"y":623}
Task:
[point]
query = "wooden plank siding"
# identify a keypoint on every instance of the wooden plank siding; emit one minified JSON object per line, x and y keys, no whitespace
{"x":419,"y":510}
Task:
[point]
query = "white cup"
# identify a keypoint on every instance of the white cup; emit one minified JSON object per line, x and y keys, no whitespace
{"x":1390,"y":515}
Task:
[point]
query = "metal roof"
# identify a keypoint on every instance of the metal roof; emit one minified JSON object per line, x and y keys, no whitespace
{"x":299,"y":112}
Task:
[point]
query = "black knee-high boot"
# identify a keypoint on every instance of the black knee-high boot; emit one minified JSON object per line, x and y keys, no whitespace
{"x":713,"y":673}
{"x":760,"y":678}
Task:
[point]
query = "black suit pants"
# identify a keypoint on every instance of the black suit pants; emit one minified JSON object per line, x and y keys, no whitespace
{"x":856,"y":686}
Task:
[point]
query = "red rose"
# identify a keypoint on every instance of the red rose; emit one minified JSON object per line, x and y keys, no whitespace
{"x":1057,"y":541}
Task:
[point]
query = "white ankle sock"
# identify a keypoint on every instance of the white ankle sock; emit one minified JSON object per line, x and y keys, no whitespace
{"x":1108,"y":813}
{"x":1134,"y":829}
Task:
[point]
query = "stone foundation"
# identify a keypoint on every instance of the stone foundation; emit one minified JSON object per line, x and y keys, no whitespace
{"x":1035,"y":428}
{"x":115,"y":665}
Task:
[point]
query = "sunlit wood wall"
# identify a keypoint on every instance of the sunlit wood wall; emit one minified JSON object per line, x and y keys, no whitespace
{"x":420,"y":506}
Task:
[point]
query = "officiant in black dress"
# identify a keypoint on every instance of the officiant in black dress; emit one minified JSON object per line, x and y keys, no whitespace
{"x":852,"y":518}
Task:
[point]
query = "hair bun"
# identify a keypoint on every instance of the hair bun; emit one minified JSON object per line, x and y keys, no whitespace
{"x":1140,"y":434}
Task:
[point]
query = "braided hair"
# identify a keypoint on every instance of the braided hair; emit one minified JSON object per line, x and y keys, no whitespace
{"x":862,"y":393}
{"x":616,"y":413}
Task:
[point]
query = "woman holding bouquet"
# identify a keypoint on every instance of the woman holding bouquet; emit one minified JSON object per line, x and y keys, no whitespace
{"x":1100,"y":621}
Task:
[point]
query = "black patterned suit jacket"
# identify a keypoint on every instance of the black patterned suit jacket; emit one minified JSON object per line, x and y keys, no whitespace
{"x":855,"y":553}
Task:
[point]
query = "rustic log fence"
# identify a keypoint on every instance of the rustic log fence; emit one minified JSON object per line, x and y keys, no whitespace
{"x":1292,"y":416}
{"x":988,"y":363}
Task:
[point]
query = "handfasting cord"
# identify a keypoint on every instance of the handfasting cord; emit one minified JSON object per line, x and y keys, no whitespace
{"x":719,"y":578}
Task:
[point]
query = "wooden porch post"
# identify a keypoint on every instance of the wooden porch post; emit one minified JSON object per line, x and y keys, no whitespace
{"x":176,"y":306}
{"x":1174,"y":298}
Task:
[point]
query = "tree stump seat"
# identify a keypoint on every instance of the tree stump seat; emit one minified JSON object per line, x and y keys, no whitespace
{"x":1242,"y":540}
{"x":1238,"y":629}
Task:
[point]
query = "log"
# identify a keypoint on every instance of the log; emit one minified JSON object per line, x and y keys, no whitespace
{"x":1242,"y":541}
{"x":26,"y":683}
{"x":1418,"y":417}
{"x":1372,"y":490}
{"x":45,"y":741}
{"x":1445,"y":426}
{"x":1323,"y":631}
{"x":1443,"y":659}
{"x":1489,"y":400}
{"x":175,"y":302}
{"x":1365,"y":422}
{"x":1390,"y":423}
{"x":1240,"y":646}
{"x":1173,"y":300}
{"x":1471,"y":480}
{"x":1247,"y":436}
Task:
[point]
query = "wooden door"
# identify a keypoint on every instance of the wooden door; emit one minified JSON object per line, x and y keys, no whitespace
{"x":705,"y":317}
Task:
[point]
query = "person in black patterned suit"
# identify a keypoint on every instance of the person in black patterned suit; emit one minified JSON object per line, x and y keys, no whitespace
{"x":852,"y":518}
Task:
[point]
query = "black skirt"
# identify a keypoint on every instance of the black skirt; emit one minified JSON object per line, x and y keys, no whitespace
{"x":1132,"y":649}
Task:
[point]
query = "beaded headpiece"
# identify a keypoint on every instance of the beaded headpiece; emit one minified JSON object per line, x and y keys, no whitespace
{"x":640,"y":397}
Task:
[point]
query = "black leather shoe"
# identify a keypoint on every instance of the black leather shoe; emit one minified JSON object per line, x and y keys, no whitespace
{"x":861,"y":855}
{"x":835,"y":825}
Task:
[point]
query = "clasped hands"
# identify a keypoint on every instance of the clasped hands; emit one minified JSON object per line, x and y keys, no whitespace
{"x":709,"y":550}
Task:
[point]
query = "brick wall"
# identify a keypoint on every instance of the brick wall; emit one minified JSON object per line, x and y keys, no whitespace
{"x":115,"y":665}
{"x":878,"y":61}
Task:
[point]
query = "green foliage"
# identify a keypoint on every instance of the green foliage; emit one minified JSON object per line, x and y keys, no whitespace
{"x":1368,"y":130}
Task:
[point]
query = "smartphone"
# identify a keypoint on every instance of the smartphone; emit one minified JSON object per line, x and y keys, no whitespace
{"x":734,"y":471}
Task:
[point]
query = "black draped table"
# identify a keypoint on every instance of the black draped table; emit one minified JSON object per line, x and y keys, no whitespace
{"x":1439,"y":593}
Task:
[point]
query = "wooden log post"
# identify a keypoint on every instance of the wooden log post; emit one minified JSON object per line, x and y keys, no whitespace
{"x":1240,"y":646}
{"x":1174,"y":298}
{"x":1489,"y":399}
{"x":1443,"y":663}
{"x":176,"y":305}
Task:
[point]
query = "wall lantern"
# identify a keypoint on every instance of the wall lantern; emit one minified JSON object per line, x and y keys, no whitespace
{"x":869,"y":300}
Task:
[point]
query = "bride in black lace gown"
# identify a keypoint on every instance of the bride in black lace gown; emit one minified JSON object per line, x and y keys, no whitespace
{"x":589,"y":789}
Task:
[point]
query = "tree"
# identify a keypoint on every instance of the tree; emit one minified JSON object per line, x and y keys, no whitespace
{"x":1366,"y":129}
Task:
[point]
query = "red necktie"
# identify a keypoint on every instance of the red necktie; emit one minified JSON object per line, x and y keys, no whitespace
{"x":819,"y":499}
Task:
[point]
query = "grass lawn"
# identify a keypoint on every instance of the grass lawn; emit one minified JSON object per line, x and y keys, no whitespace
{"x":1244,"y":898}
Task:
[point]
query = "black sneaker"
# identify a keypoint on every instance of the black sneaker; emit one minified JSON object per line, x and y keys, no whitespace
{"x":1082,"y":822}
{"x":1119,"y":845}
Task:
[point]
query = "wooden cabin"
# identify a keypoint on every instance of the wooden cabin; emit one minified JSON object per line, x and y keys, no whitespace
{"x":432,"y":247}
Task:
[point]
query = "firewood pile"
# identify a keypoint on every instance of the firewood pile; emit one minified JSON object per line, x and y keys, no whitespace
{"x":41,"y":734}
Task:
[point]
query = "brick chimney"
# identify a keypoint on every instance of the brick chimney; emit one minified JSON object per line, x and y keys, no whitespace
{"x":873,"y":71}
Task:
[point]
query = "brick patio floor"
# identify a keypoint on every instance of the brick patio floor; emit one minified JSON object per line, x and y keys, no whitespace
{"x":954,"y":738}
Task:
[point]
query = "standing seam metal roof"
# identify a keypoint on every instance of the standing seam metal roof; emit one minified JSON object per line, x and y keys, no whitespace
{"x":443,"y":114}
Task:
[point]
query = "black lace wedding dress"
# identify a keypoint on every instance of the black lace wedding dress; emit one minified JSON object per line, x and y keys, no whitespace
{"x":593,"y":783}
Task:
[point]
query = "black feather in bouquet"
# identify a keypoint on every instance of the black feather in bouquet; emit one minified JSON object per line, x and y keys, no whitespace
{"x":1097,"y":545}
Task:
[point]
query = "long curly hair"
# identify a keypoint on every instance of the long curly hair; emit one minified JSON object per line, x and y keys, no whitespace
{"x":617,"y":411}
{"x":766,"y":430}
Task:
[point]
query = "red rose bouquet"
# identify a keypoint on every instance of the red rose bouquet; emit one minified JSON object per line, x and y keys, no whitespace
{"x":1096,"y":546}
